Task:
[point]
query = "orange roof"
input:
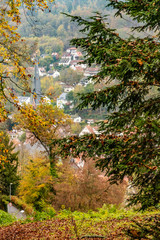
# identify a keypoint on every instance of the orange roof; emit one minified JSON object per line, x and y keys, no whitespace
{"x":92,"y":129}
{"x":79,"y":54}
{"x":79,"y":68}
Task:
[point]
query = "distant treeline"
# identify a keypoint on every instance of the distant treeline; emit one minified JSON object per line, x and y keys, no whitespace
{"x":54,"y":30}
{"x":54,"y":23}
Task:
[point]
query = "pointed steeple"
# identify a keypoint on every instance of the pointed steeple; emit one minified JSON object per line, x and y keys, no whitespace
{"x":36,"y":85}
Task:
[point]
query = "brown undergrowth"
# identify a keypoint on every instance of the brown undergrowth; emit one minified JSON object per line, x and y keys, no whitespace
{"x":69,"y":228}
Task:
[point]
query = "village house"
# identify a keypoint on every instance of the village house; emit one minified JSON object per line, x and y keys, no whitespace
{"x":61,"y":101}
{"x":27,"y":100}
{"x":76,"y":55}
{"x":90,"y":72}
{"x":56,"y":74}
{"x":79,"y":69}
{"x":84,"y":81}
{"x":24,"y":100}
{"x":46,"y":99}
{"x":77,"y":63}
{"x":72,"y":50}
{"x":68,"y":89}
{"x":90,"y":121}
{"x":53,"y":74}
{"x":15,"y":134}
{"x":69,"y":56}
{"x":42,"y":72}
{"x":76,"y":118}
{"x":55,"y":55}
{"x":89,"y":130}
{"x":65,"y":59}
{"x":77,"y":163}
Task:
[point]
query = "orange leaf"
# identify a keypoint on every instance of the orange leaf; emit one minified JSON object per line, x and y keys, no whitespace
{"x":140,"y":62}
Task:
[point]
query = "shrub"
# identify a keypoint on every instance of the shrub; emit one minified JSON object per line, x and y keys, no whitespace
{"x":21,"y":204}
{"x":6,"y":218}
{"x":48,"y":213}
{"x":40,"y":216}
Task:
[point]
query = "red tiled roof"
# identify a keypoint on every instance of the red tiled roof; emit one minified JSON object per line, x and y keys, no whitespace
{"x":92,"y":69}
{"x":66,"y":54}
{"x":79,"y":54}
{"x":79,"y":68}
{"x":73,"y":48}
{"x":92,"y":129}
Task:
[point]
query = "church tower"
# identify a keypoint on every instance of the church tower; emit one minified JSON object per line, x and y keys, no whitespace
{"x":36,"y":85}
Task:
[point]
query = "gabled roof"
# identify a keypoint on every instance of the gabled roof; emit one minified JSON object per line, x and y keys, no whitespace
{"x":92,"y":70}
{"x":55,"y":54}
{"x":92,"y":130}
{"x":73,"y":48}
{"x":79,"y":54}
{"x":73,"y":62}
{"x":66,"y":55}
{"x":89,"y":130}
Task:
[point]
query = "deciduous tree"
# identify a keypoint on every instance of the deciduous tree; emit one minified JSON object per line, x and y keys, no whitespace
{"x":85,"y":188}
{"x":44,"y":123}
{"x":54,"y":91}
{"x":36,"y":185}
{"x":70,"y":76}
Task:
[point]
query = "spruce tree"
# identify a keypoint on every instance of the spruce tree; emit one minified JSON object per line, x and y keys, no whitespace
{"x":8,"y":167}
{"x":129,"y":143}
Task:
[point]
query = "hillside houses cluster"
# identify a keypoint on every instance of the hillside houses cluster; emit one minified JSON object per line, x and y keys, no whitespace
{"x":70,"y":58}
{"x":32,"y":148}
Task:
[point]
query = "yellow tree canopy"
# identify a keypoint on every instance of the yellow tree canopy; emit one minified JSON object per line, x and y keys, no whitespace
{"x":34,"y":187}
{"x":44,"y":123}
{"x":13,"y":60}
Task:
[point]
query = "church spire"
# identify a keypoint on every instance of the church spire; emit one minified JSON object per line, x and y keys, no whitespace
{"x":36,"y":85}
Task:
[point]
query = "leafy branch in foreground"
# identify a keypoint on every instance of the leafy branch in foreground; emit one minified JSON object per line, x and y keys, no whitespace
{"x":150,"y":229}
{"x":14,"y":53}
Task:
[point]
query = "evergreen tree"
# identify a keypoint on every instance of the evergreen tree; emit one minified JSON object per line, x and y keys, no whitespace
{"x":8,"y":166}
{"x":130,"y":135}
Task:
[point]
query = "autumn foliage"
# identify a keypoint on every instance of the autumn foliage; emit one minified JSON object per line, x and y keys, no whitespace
{"x":13,"y":63}
{"x":85,"y":188}
{"x":36,"y":186}
{"x":74,"y":188}
{"x":43,"y":123}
